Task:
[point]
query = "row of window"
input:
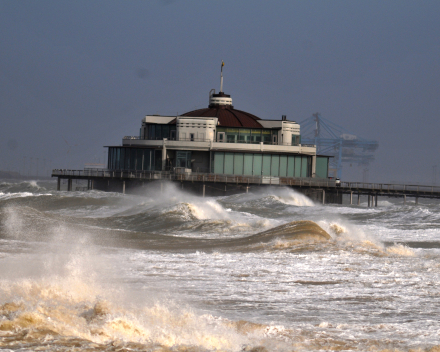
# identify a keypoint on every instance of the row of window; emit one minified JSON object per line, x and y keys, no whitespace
{"x":253,"y":164}
{"x":224,"y":134}
{"x":120,"y":158}
{"x":159,"y":132}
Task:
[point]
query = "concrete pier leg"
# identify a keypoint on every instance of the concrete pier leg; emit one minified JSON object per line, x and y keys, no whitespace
{"x":359,"y":199}
{"x":369,"y":197}
{"x":58,"y":184}
{"x":69,"y":185}
{"x":375,"y":201}
{"x":123,"y":187}
{"x":417,"y":200}
{"x":404,"y":199}
{"x":247,"y":189}
{"x":323,"y":196}
{"x":351,"y":198}
{"x":203,"y":190}
{"x":91,"y":184}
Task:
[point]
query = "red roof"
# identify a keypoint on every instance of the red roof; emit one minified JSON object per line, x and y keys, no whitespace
{"x":227,"y":116}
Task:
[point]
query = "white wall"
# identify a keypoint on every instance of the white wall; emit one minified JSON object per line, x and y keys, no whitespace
{"x":203,"y":128}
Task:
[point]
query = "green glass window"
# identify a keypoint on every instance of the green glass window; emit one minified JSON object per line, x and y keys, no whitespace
{"x":296,"y":139}
{"x":258,"y":165}
{"x":290,"y":166}
{"x":247,"y":167}
{"x":238,"y":164}
{"x":256,"y":136}
{"x":219,"y":159}
{"x":304,"y":169}
{"x":266,"y":165}
{"x":229,"y":163}
{"x":283,"y":165}
{"x":297,"y":166}
{"x":321,"y":167}
{"x":266,"y":136}
{"x":275,"y":166}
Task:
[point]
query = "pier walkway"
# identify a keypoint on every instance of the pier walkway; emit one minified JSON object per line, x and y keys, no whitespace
{"x":327,"y":189}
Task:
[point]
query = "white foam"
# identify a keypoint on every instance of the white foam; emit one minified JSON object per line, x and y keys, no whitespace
{"x":21,"y":195}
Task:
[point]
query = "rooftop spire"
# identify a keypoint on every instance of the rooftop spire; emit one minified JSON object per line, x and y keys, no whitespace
{"x":221,"y":77}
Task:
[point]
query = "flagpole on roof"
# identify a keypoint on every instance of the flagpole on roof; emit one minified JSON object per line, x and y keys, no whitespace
{"x":221,"y":77}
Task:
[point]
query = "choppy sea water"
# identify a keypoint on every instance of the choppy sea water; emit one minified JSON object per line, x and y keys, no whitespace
{"x":172,"y":271}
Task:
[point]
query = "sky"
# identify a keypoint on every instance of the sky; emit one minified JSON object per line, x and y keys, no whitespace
{"x":79,"y":75}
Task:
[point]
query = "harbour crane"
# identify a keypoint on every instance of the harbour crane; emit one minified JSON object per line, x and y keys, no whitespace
{"x":331,"y":139}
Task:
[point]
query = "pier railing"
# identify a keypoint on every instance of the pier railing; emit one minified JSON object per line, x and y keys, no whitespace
{"x":389,"y":187}
{"x":194,"y":177}
{"x":345,"y":187}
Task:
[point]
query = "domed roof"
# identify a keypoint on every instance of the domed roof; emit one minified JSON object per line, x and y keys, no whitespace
{"x":220,"y":106}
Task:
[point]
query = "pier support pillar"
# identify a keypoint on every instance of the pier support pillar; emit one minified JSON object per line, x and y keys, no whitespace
{"x":123,"y":187}
{"x":164,"y":155}
{"x":58,"y":184}
{"x":69,"y":185}
{"x":404,"y":199}
{"x":203,"y":190}
{"x":417,"y":200}
{"x":247,"y":189}
{"x":375,"y":201}
{"x":323,"y":196}
{"x":369,"y":198}
{"x":91,"y":184}
{"x":351,"y":198}
{"x":359,"y":199}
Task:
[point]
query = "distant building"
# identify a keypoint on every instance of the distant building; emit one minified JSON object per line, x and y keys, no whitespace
{"x":219,"y":140}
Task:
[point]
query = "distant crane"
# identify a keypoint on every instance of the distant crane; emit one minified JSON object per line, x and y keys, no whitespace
{"x":331,"y":139}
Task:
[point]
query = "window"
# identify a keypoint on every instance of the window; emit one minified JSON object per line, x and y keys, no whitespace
{"x":183,"y":159}
{"x":296,"y":140}
{"x":191,"y":137}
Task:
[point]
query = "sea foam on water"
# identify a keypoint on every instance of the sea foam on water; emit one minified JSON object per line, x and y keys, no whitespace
{"x":83,"y":270}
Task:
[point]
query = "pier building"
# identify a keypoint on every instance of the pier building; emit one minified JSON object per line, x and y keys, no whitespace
{"x":219,"y":140}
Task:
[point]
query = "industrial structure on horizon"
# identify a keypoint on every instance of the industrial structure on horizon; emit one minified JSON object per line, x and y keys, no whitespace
{"x":333,"y":140}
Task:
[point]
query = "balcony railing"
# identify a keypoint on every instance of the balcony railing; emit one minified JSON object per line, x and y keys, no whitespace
{"x":220,"y":141}
{"x":131,"y":137}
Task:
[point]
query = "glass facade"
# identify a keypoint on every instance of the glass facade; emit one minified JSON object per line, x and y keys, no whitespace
{"x":296,"y":140}
{"x":246,"y":135}
{"x":321,"y":167}
{"x":183,"y":159}
{"x":159,"y":132}
{"x":122,"y":158}
{"x":253,"y":164}
{"x":228,"y":163}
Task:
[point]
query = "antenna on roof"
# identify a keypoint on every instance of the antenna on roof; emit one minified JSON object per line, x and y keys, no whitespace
{"x":221,"y":77}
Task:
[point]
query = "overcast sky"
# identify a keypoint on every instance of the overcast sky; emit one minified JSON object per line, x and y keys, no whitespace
{"x":78,"y":75}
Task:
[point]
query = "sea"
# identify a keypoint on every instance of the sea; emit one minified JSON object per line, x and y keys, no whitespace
{"x":165,"y":270}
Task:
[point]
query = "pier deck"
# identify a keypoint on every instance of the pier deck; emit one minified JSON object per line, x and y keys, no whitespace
{"x":323,"y":190}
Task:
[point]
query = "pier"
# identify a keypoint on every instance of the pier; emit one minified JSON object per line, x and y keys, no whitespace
{"x":325,"y":191}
